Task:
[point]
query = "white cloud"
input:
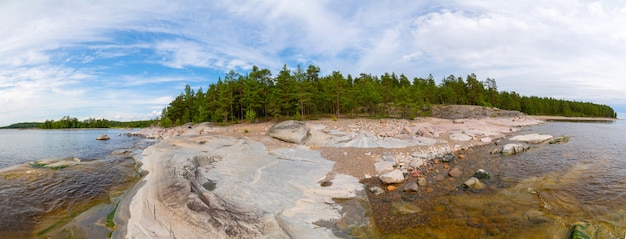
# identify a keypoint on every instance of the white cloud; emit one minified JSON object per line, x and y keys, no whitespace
{"x":54,"y":56}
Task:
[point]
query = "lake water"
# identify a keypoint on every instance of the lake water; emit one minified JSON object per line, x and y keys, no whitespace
{"x":36,"y":201}
{"x":21,"y":146}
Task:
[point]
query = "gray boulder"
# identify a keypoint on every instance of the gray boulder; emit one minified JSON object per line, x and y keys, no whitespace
{"x":290,"y":131}
{"x":515,"y":148}
{"x":532,"y":138}
{"x":394,"y":176}
{"x":383,"y":167}
{"x":474,"y":183}
{"x":410,"y":187}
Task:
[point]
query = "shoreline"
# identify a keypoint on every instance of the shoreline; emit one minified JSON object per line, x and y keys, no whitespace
{"x":195,"y":156}
{"x":572,"y":119}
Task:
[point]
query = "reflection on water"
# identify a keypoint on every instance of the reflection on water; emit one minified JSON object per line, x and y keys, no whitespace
{"x":537,"y":194}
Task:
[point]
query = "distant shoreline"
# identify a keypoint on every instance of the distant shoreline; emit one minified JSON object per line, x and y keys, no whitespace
{"x":572,"y":119}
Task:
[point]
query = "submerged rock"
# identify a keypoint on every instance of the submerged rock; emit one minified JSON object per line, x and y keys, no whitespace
{"x":376,"y":190}
{"x":455,"y":173}
{"x":410,"y":187}
{"x":482,"y":174}
{"x":584,"y":230}
{"x":290,"y":131}
{"x":473,"y":183}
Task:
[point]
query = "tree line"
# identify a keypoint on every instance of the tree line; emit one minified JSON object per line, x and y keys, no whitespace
{"x":68,"y":122}
{"x":304,"y":93}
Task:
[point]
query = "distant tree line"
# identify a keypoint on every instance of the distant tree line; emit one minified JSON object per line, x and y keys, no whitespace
{"x":303,"y":93}
{"x":68,"y":122}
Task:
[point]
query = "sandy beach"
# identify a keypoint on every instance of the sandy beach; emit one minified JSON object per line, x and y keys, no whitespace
{"x":237,"y":181}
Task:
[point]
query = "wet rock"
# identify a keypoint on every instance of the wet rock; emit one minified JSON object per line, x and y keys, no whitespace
{"x":532,"y":138}
{"x":410,"y":186}
{"x":447,"y":158}
{"x":383,"y":167}
{"x":536,"y":216}
{"x":376,"y":190}
{"x":495,"y":151}
{"x":103,"y":137}
{"x":515,"y":148}
{"x":559,"y":140}
{"x":455,"y":173}
{"x":290,"y":131}
{"x":584,"y":230}
{"x":473,"y":183}
{"x":394,"y":176}
{"x":391,"y":188}
{"x":421,"y":182}
{"x":482,"y":174}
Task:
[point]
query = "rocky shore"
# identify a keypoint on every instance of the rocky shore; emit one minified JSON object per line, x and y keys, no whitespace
{"x":269,"y":180}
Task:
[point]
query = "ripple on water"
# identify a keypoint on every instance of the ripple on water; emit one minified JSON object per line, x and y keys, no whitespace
{"x":35,"y":199}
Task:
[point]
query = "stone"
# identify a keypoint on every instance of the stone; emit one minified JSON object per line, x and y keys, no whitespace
{"x":455,"y":173}
{"x":515,"y":148}
{"x":391,"y":188}
{"x":290,"y":131}
{"x":532,"y":138}
{"x":474,"y":183}
{"x":447,"y":158}
{"x":410,"y":186}
{"x":584,"y":230}
{"x":383,"y":167}
{"x":103,"y":137}
{"x":559,"y":140}
{"x":535,"y":216}
{"x":482,"y":174}
{"x":458,"y":121}
{"x":460,"y":137}
{"x":394,"y":176}
{"x":417,"y":162}
{"x":421,"y":182}
{"x":376,"y":190}
{"x":486,"y":140}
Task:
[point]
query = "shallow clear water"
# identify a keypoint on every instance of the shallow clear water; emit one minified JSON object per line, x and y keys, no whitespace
{"x":35,"y":201}
{"x":540,"y":193}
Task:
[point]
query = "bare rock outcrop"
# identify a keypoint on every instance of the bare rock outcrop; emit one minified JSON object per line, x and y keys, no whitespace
{"x":291,"y":131}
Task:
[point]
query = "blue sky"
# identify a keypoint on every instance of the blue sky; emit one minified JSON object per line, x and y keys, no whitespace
{"x":126,"y":60}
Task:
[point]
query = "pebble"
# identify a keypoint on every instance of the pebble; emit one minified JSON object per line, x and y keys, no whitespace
{"x":455,"y":173}
{"x":391,"y":188}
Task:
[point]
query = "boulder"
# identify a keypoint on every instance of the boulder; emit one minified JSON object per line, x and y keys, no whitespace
{"x":383,"y":167}
{"x":290,"y":131}
{"x":455,"y":173}
{"x":482,"y":174}
{"x":532,"y":138}
{"x":515,"y":148}
{"x":394,"y":176}
{"x":103,"y":137}
{"x":473,"y":183}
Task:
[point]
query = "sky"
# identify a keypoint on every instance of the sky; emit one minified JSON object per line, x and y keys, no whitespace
{"x":126,"y":60}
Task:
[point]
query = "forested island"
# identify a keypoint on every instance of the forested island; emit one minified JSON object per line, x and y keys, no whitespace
{"x":304,"y":94}
{"x":68,"y":122}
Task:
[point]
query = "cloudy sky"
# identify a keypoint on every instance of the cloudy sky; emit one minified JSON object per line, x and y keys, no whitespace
{"x":126,"y":60}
